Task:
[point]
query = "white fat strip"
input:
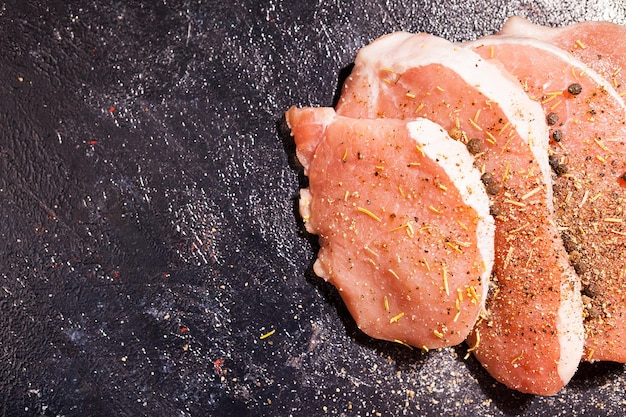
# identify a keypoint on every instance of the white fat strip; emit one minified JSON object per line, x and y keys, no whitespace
{"x":520,"y":26}
{"x":401,"y":51}
{"x":570,"y":328}
{"x":458,"y":164}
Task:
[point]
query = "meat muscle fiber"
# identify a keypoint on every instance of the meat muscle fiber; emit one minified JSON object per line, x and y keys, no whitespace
{"x":403,"y":223}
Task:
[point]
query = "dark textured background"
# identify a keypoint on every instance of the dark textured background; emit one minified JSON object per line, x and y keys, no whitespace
{"x":149,"y":229}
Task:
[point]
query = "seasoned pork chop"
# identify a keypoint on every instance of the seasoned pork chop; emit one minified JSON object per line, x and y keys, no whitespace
{"x":589,"y":157}
{"x":403,"y":222}
{"x":520,"y":340}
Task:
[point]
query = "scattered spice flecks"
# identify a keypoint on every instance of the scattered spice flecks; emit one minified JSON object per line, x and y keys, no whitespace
{"x":268,"y":334}
{"x":217,"y":364}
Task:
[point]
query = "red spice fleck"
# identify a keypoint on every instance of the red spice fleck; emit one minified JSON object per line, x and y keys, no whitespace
{"x":184,"y":329}
{"x":111,"y":109}
{"x":92,"y":142}
{"x":219,"y":362}
{"x":116,"y":275}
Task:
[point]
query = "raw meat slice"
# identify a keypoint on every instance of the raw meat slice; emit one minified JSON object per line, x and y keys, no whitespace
{"x":590,"y":157}
{"x":403,"y":222}
{"x":405,"y":76}
{"x":600,"y":45}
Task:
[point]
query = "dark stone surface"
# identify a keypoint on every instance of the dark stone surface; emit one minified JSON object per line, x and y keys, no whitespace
{"x":149,"y":227}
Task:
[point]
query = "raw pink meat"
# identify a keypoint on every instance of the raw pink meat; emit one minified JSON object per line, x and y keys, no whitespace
{"x":589,"y":197}
{"x":403,"y":222}
{"x":519,"y":341}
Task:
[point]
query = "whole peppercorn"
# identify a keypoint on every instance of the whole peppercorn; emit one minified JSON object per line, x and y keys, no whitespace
{"x":592,"y":290}
{"x":561,"y":169}
{"x":487,"y":178}
{"x":552,"y":118}
{"x":553,"y":160}
{"x":494,"y":210}
{"x":557,"y":135}
{"x":574,"y":89}
{"x":568,"y":242}
{"x":475,"y":146}
{"x":580,"y":267}
{"x":493,"y":188}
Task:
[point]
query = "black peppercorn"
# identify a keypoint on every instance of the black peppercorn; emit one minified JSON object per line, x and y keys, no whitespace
{"x":580,"y":267}
{"x":568,"y":243}
{"x":493,"y":188}
{"x":557,"y":135}
{"x":592,"y":290}
{"x":553,"y":160}
{"x":574,"y":89}
{"x":487,"y":178}
{"x":561,"y":169}
{"x":552,"y":118}
{"x":475,"y":146}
